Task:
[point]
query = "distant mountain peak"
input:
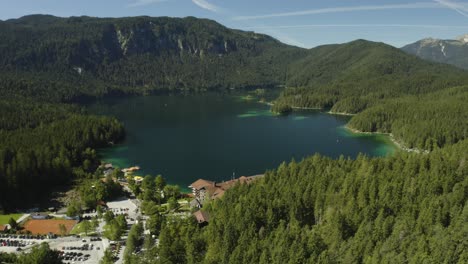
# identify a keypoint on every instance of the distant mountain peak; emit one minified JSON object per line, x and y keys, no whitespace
{"x":429,"y":41}
{"x":463,"y":38}
{"x":450,"y":51}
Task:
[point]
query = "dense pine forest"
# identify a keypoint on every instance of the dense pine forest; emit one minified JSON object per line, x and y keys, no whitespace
{"x":43,"y":146}
{"x":423,"y":104}
{"x":351,"y":77}
{"x":423,"y":122}
{"x":49,"y":62}
{"x":409,"y":208}
{"x":406,"y":208}
{"x":87,"y":57}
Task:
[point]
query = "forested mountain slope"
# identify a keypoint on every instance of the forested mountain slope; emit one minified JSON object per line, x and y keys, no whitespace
{"x":46,"y":61}
{"x":43,"y":146}
{"x":84,"y":56}
{"x":66,"y":58}
{"x":406,"y":208}
{"x":51,"y":59}
{"x":423,"y":122}
{"x":423,"y":104}
{"x":349,"y":77}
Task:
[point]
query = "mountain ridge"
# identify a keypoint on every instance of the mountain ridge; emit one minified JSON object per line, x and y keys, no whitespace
{"x":450,"y":51}
{"x":369,"y":70}
{"x":146,"y":53}
{"x":405,"y":208}
{"x":89,"y":56}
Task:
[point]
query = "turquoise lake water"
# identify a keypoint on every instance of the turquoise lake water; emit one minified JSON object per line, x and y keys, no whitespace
{"x":218,"y":136}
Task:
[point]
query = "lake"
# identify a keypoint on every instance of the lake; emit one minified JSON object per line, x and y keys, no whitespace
{"x":217,"y":137}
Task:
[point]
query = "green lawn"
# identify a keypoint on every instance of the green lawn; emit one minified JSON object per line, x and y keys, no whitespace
{"x":78,"y":229}
{"x":5,"y":218}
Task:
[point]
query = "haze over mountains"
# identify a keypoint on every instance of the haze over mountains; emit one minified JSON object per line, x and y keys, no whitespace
{"x":451,"y":51}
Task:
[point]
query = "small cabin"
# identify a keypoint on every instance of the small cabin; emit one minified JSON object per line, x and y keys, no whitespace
{"x":202,"y":217}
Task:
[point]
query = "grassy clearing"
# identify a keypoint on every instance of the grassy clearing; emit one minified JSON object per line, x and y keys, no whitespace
{"x":5,"y":218}
{"x":79,"y":229}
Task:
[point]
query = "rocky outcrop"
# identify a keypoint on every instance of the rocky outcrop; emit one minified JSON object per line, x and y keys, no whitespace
{"x":450,"y":51}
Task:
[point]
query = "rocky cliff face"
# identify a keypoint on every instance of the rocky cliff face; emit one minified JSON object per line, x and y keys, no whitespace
{"x":147,"y":52}
{"x":453,"y":52}
{"x":86,"y":41}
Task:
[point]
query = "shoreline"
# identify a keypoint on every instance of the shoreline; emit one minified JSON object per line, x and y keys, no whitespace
{"x":397,"y":143}
{"x":340,"y":113}
{"x":306,"y":108}
{"x":293,"y":107}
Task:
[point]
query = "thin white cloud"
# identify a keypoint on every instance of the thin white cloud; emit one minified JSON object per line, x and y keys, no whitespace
{"x":460,"y":8}
{"x":289,"y":40}
{"x":354,"y":25}
{"x":208,"y":6}
{"x":283,"y":37}
{"x":138,"y":3}
{"x":421,"y":5}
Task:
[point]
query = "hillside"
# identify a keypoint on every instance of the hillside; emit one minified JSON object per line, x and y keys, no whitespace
{"x":85,"y":56}
{"x":407,"y":208}
{"x":349,"y":77}
{"x":45,"y":60}
{"x":450,"y":51}
{"x":65,"y":59}
{"x":380,"y":81}
{"x":424,"y":122}
{"x":404,"y":208}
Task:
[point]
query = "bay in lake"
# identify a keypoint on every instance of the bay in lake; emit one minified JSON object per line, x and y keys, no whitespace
{"x":215,"y":136}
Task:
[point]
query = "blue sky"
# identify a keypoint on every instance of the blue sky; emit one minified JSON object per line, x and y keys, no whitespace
{"x":297,"y":22}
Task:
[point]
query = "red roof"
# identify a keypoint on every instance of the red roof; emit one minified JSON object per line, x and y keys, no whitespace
{"x":201,"y":216}
{"x":216,"y":190}
{"x":201,"y":183}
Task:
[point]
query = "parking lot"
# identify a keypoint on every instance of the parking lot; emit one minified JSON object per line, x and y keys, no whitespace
{"x":80,"y":249}
{"x":16,"y":243}
{"x":73,"y":249}
{"x":130,"y":209}
{"x":126,"y":204}
{"x":76,"y":249}
{"x":125,"y":207}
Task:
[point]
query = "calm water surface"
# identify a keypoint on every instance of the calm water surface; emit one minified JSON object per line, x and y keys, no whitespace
{"x":214,"y":136}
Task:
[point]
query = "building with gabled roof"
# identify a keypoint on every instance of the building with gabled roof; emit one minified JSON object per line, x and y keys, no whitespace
{"x":201,"y":183}
{"x":204,"y":190}
{"x":202,"y":217}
